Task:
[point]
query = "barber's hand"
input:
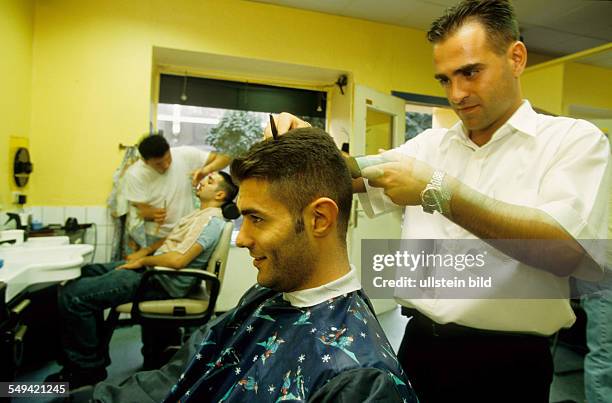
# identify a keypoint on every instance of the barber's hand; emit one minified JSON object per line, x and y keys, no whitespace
{"x":402,"y":178}
{"x":285,"y":122}
{"x":159,"y":215}
{"x":131,"y":265}
{"x":198,"y":175}
{"x":151,"y":213}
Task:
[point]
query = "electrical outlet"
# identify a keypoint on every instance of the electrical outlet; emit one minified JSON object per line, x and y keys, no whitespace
{"x":19,"y":198}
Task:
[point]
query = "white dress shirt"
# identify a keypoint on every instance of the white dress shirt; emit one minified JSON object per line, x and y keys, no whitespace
{"x":556,"y":164}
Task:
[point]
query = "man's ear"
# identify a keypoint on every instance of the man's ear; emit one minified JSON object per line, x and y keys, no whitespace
{"x":517,"y":53}
{"x":322,"y":216}
{"x":220,"y":195}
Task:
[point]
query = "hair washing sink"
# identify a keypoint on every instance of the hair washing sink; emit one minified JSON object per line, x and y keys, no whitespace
{"x":41,"y":260}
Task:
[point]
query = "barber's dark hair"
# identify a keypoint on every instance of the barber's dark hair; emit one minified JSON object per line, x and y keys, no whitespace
{"x":301,"y":166}
{"x":496,"y":16}
{"x":153,"y":146}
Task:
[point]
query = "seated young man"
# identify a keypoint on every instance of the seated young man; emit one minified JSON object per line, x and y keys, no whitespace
{"x":306,"y":331}
{"x":83,"y":300}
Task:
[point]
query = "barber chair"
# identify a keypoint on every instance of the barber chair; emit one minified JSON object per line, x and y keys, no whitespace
{"x":163,"y":321}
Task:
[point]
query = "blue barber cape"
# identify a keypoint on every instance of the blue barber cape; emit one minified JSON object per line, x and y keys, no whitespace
{"x":266,"y":350}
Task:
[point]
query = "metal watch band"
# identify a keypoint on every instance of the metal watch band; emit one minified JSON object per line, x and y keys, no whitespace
{"x":439,"y":194}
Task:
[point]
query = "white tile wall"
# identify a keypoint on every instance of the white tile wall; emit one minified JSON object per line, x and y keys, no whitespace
{"x":77,"y":212}
{"x":101,"y":239}
{"x":110,"y":232}
{"x":84,"y":214}
{"x":53,"y":215}
{"x":98,"y":214}
{"x":37,"y":213}
{"x":101,"y":255}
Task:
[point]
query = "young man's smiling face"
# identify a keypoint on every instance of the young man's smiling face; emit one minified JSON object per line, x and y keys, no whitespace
{"x":281,"y":250}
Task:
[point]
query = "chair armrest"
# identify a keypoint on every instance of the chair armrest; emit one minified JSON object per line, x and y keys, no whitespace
{"x":203,"y":275}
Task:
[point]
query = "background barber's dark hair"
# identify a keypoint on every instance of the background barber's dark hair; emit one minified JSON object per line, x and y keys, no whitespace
{"x":153,"y":146}
{"x":497,"y":17}
{"x":301,"y":166}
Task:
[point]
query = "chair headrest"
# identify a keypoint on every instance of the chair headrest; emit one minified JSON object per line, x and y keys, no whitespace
{"x":230,"y":211}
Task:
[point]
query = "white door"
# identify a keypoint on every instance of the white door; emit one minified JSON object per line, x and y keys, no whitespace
{"x":379,"y":122}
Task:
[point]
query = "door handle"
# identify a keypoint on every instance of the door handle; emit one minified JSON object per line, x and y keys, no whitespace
{"x":355,"y":213}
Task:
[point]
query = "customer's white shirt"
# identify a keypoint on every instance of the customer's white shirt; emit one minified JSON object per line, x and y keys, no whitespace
{"x":146,"y":185}
{"x":556,"y":164}
{"x":314,"y":296}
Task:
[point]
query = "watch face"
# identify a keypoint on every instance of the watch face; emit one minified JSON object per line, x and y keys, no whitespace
{"x":430,"y":200}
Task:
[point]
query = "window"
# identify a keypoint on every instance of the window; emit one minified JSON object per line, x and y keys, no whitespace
{"x":228,"y":116}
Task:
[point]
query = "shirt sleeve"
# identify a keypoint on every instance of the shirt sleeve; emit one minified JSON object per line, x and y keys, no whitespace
{"x":207,"y":237}
{"x":576,"y":188}
{"x":195,"y":157}
{"x":363,"y":385}
{"x":212,"y":232}
{"x":135,"y":189}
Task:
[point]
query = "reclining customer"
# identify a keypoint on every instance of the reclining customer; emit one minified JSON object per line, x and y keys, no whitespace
{"x":306,"y":331}
{"x":82,"y":301}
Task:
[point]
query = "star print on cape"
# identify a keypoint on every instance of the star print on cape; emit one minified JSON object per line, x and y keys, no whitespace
{"x":337,"y":338}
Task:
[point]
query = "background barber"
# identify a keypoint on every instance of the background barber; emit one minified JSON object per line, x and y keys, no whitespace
{"x":159,"y":185}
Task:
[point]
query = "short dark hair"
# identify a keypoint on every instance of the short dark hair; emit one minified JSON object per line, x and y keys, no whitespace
{"x":153,"y":146}
{"x":228,"y":186}
{"x":497,"y":17}
{"x":301,"y":166}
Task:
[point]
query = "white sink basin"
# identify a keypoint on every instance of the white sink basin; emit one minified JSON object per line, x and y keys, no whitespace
{"x":46,"y":241}
{"x":41,"y":261}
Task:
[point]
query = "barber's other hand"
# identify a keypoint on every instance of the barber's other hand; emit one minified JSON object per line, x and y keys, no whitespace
{"x":131,"y":265}
{"x":285,"y":122}
{"x":402,"y":178}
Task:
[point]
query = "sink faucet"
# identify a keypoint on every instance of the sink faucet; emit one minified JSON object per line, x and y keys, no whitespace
{"x":9,"y":241}
{"x":14,"y":216}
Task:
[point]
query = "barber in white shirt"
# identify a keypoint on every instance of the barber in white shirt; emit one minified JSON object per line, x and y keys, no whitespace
{"x":503,"y":172}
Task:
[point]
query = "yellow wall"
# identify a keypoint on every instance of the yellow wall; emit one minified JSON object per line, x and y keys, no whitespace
{"x":605,"y":125}
{"x":16,"y":26}
{"x":93,"y":61}
{"x":543,"y":87}
{"x":588,"y":85}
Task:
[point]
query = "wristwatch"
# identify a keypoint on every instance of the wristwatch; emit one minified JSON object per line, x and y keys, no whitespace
{"x":436,"y":196}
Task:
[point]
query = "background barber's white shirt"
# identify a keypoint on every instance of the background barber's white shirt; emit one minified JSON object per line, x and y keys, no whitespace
{"x":146,"y":185}
{"x":556,"y":164}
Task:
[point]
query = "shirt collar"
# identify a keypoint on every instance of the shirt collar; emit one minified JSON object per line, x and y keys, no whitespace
{"x":313,"y":296}
{"x":524,"y":120}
